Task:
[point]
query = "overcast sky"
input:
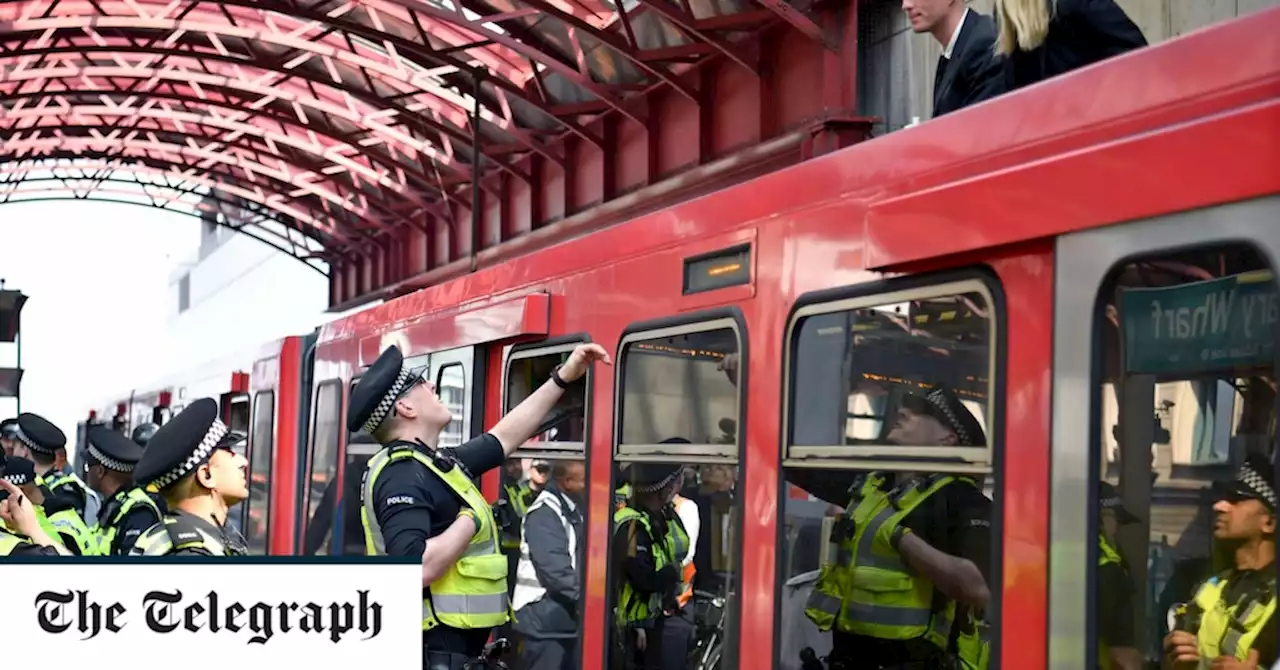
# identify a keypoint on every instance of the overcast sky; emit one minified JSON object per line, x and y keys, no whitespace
{"x":96,"y":276}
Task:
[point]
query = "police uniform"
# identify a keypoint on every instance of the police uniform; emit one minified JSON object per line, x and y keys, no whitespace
{"x":412,"y":492}
{"x":1116,"y":589}
{"x":174,"y":452}
{"x":907,"y":623}
{"x":647,"y":549}
{"x":20,"y":472}
{"x":1234,"y":612}
{"x":129,"y":511}
{"x":62,"y":490}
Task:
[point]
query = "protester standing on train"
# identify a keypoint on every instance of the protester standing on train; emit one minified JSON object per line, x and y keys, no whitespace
{"x":420,"y":500}
{"x":935,"y":545}
{"x":1231,"y":623}
{"x":129,"y":510}
{"x":548,"y":583}
{"x":27,"y":537}
{"x":39,"y":441}
{"x":648,"y":543}
{"x":967,"y":71}
{"x":1041,"y":39}
{"x":1117,"y":643}
{"x":191,"y":464}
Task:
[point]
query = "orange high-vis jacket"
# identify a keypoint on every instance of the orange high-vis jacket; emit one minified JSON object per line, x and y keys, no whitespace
{"x":686,"y":576}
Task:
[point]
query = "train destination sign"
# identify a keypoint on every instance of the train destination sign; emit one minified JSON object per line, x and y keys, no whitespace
{"x":1208,"y":326}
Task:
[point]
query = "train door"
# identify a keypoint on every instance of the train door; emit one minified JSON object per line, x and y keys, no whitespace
{"x":1165,"y":372}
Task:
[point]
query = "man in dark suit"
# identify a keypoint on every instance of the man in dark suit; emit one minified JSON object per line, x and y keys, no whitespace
{"x":967,"y":72}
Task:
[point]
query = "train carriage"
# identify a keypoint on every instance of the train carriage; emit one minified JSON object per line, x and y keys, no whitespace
{"x":1088,"y":263}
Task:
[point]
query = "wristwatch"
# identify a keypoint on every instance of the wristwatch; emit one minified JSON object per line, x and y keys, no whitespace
{"x":555,"y":377}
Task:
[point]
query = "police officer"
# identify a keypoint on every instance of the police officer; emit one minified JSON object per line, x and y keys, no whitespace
{"x":1117,"y":648}
{"x":1231,"y":623}
{"x":8,"y":436}
{"x":27,"y":537}
{"x":419,"y":500}
{"x":143,"y":434}
{"x":129,"y":510}
{"x":931,"y":532}
{"x":190,"y":463}
{"x":40,"y":441}
{"x":649,"y":543}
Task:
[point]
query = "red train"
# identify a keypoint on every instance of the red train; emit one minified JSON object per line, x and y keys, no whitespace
{"x":999,"y":251}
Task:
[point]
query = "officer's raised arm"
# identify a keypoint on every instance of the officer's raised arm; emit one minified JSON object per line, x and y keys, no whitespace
{"x":520,"y":423}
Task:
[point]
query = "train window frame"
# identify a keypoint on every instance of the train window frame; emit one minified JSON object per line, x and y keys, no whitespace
{"x":952,"y":460}
{"x":891,"y":291}
{"x":697,"y":322}
{"x":304,"y":510}
{"x":551,"y":347}
{"x":270,"y":396}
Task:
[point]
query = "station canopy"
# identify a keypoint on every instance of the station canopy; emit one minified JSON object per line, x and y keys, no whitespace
{"x":319,"y":126}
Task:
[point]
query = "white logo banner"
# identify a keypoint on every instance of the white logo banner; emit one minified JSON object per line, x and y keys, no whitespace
{"x":205,"y":615}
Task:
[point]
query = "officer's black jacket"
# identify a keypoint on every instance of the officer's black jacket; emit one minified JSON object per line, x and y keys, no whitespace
{"x":1081,"y":32}
{"x":413,"y":505}
{"x":972,"y":74}
{"x":633,"y":559}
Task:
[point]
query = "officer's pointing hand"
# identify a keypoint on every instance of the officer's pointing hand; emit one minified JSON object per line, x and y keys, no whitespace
{"x":581,"y":359}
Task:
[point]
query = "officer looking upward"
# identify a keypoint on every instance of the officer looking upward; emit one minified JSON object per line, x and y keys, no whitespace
{"x":191,"y":464}
{"x":1231,"y":623}
{"x":419,"y":500}
{"x":27,"y":537}
{"x":40,"y":441}
{"x":143,"y":434}
{"x":129,"y":511}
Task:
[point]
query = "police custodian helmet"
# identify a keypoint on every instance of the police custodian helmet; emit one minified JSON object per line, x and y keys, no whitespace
{"x":180,"y":446}
{"x":142,"y":434}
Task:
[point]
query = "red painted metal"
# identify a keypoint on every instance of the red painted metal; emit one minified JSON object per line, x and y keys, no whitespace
{"x":350,"y":125}
{"x":467,"y":326}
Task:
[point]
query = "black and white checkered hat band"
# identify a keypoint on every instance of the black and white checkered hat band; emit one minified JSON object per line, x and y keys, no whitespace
{"x":664,"y":483}
{"x":211,"y":439}
{"x":109,"y":462}
{"x":383,"y":409}
{"x":936,"y":399}
{"x":1249,"y":477}
{"x":22,"y":437}
{"x":16,"y":479}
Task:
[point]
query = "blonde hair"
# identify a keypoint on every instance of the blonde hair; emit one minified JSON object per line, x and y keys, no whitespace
{"x":1023,"y":24}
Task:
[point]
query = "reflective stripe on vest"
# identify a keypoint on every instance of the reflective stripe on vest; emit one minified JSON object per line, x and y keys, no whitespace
{"x":472,"y":593}
{"x":163,"y":539}
{"x":869,"y":590}
{"x":133,"y":498}
{"x":71,"y":530}
{"x":1229,"y":630}
{"x":632,"y":609}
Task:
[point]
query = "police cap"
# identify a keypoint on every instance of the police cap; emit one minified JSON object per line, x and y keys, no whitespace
{"x":385,"y":382}
{"x":19,"y":471}
{"x":9,"y":429}
{"x":112,"y":450}
{"x":1255,"y":480}
{"x":650,"y":477}
{"x":1109,"y":498}
{"x":180,"y":446}
{"x":944,"y":405}
{"x":39,"y":435}
{"x":143,"y":434}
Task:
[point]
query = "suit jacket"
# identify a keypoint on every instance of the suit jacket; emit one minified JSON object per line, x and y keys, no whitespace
{"x":1081,"y":33}
{"x":972,"y":74}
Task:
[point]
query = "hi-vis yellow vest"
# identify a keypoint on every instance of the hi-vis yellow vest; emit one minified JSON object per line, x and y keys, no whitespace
{"x":1225,"y":628}
{"x":72,"y":532}
{"x":868,"y":590}
{"x":132,"y":498}
{"x":632,"y":609}
{"x":177,"y":532}
{"x":9,"y":542}
{"x":1107,"y":555}
{"x":472,"y":594}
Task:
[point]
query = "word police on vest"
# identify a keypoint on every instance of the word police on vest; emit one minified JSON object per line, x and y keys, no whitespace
{"x":168,"y":612}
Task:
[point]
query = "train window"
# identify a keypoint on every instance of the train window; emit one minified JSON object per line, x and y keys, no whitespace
{"x":1186,"y":396}
{"x":238,"y":413}
{"x":323,"y":469}
{"x":451,"y":387}
{"x":678,"y":427}
{"x":565,"y":427}
{"x":680,"y":384}
{"x":261,"y":447}
{"x":890,"y":400}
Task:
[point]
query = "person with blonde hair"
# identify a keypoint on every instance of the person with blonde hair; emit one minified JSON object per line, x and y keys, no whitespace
{"x":1041,"y":39}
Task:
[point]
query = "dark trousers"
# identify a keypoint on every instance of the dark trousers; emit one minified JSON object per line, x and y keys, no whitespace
{"x":442,"y":660}
{"x":549,"y":654}
{"x":677,"y":637}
